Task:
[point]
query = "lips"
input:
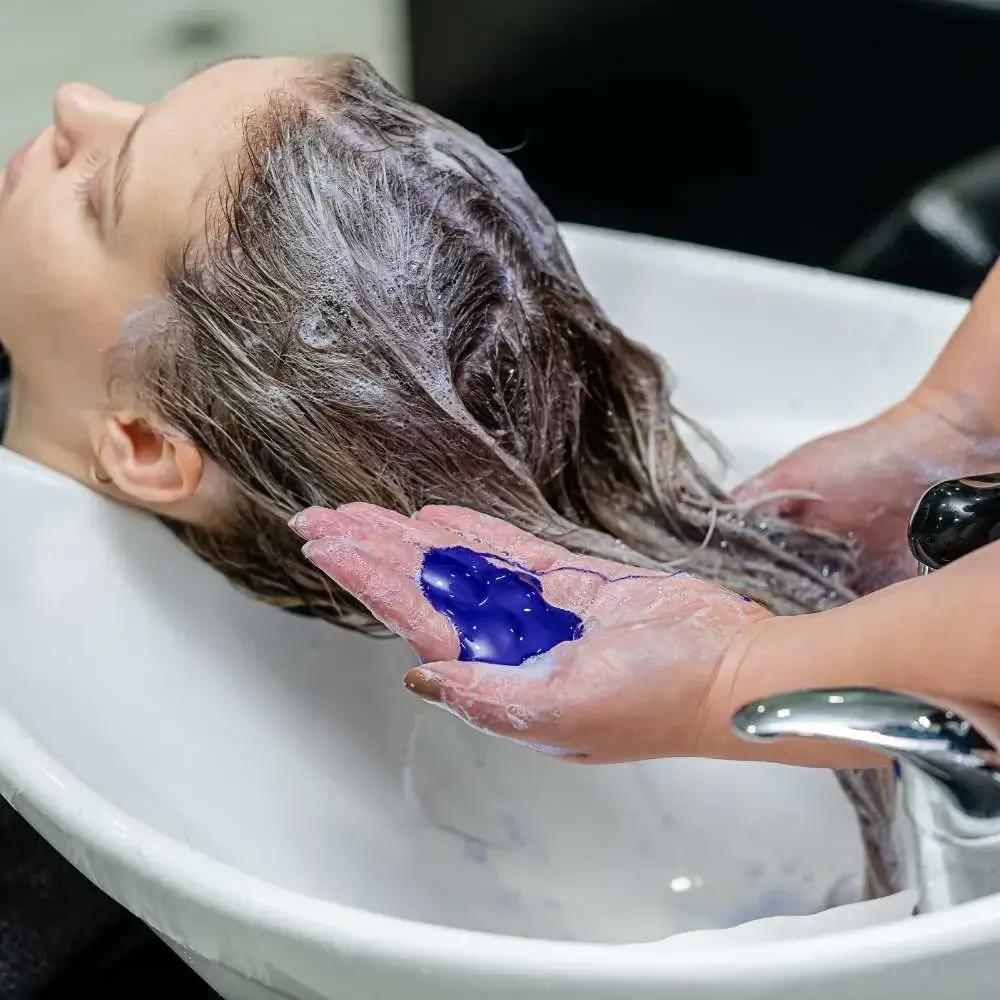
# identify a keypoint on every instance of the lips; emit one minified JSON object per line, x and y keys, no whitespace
{"x":12,"y":172}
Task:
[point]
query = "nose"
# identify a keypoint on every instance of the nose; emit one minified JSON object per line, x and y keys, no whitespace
{"x":85,"y":115}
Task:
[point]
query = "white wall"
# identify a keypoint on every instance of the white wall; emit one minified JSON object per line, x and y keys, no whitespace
{"x":135,"y":48}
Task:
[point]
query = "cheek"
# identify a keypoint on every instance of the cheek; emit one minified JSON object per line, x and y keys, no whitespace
{"x":42,"y":266}
{"x":58,"y":296}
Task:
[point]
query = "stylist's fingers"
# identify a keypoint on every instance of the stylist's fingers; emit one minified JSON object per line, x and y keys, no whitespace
{"x":324,"y":522}
{"x":483,"y":531}
{"x":372,"y":552}
{"x":777,"y":491}
{"x":395,"y":551}
{"x":393,"y":597}
{"x":385,"y":528}
{"x":402,"y":543}
{"x":315,"y":522}
{"x":399,"y":552}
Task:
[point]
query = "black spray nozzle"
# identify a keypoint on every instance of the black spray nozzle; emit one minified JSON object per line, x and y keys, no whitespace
{"x":955,"y":518}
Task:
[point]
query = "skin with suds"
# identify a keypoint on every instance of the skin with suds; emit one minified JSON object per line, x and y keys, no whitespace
{"x":865,"y":481}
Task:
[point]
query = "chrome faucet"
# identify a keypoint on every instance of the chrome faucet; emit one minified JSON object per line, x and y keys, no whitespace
{"x":948,"y":772}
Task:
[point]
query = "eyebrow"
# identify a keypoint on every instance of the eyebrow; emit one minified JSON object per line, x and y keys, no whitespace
{"x":122,"y":169}
{"x":123,"y":161}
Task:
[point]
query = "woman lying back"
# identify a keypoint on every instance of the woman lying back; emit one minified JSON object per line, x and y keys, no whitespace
{"x":284,"y":284}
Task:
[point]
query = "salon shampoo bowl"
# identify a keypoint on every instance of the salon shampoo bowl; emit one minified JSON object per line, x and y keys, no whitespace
{"x":264,"y":794}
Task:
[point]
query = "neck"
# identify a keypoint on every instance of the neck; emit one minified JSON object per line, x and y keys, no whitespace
{"x":27,"y":432}
{"x":40,"y":429}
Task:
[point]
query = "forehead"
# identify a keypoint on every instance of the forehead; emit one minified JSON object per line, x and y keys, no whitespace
{"x":186,"y":142}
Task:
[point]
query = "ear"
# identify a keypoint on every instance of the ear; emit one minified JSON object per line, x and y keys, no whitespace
{"x":150,"y":465}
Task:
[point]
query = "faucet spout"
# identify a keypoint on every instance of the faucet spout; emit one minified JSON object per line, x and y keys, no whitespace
{"x":948,"y":779}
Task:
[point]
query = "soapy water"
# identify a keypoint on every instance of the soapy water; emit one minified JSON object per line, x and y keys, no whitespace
{"x":524,"y":832}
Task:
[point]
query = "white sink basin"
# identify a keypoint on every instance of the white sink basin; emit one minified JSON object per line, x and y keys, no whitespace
{"x":261,"y":790}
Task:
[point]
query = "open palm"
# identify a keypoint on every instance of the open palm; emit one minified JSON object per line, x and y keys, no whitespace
{"x":634,"y":685}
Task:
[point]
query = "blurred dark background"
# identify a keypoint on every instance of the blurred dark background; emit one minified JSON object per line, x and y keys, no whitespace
{"x":796,"y":130}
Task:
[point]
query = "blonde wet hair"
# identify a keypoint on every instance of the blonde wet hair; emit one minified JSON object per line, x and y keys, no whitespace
{"x":384,"y":311}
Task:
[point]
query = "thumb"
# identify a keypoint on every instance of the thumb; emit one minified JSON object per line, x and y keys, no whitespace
{"x":516,"y":702}
{"x":766,"y":493}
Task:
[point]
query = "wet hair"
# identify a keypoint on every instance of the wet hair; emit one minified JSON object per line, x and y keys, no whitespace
{"x":385,"y":312}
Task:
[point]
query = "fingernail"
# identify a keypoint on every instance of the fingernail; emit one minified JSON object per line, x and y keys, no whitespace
{"x":302,"y":524}
{"x":326,"y":547}
{"x":322,"y":547}
{"x":790,"y":506}
{"x":424,"y":685}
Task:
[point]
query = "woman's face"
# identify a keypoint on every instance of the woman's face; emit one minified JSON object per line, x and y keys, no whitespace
{"x":89,"y":211}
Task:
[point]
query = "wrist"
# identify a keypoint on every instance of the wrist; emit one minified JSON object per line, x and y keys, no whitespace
{"x":959,"y":413}
{"x":741,"y":679}
{"x":966,"y":375}
{"x":771,"y":656}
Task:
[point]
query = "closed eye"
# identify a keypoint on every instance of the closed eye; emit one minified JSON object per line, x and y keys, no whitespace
{"x":88,"y":186}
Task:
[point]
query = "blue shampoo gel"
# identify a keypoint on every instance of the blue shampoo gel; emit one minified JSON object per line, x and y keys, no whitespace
{"x":498,"y":612}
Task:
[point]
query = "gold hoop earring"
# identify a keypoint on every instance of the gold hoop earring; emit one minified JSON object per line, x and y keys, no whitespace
{"x":99,"y":476}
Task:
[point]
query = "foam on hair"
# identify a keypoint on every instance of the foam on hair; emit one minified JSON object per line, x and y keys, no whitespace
{"x":386,"y":312}
{"x":383,"y":311}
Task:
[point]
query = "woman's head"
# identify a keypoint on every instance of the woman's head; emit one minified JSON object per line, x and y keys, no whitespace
{"x":91,"y":213}
{"x":305,"y":289}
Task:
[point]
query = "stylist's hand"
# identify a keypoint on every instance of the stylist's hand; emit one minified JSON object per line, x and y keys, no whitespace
{"x":651,"y":676}
{"x":866,"y":480}
{"x":633,"y":687}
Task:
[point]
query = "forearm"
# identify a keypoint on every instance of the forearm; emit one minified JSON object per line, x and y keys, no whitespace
{"x":937,"y":636}
{"x":965,"y":379}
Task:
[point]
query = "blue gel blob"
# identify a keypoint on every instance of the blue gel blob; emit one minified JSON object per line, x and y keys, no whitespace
{"x":498,"y":611}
